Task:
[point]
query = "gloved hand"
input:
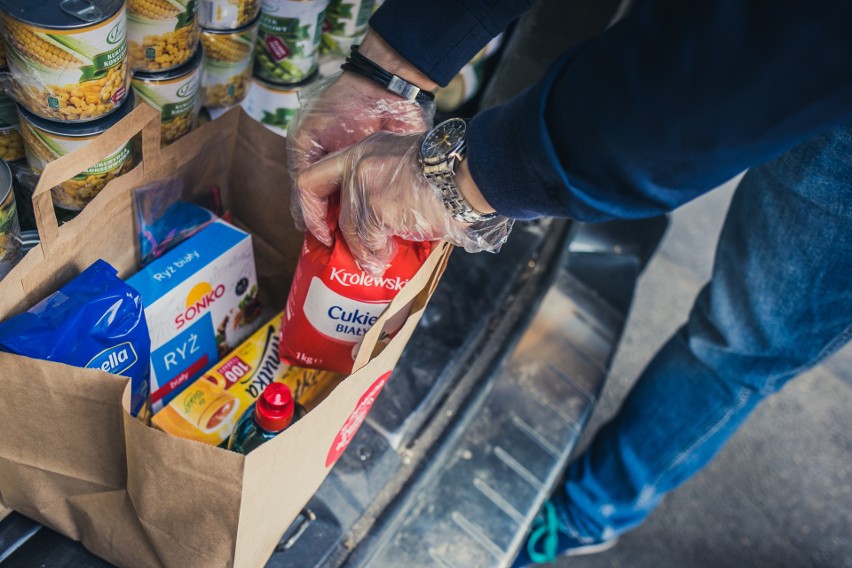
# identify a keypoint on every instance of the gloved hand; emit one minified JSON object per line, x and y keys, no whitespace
{"x":345,"y":109}
{"x":383,"y":194}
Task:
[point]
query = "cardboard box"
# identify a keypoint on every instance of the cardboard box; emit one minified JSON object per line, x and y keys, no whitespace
{"x":208,"y":409}
{"x":200,"y":301}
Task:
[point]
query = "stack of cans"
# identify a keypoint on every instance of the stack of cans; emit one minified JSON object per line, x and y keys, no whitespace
{"x":165,"y":56}
{"x":229,"y":32}
{"x":67,"y":66}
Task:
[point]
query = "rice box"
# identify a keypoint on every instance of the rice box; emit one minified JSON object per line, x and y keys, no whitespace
{"x":200,"y":301}
{"x":207,"y":410}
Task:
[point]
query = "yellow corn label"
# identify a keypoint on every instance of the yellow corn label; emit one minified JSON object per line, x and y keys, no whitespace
{"x":68,"y":75}
{"x":161,"y":34}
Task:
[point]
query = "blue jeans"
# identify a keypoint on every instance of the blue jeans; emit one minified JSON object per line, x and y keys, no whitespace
{"x":779,"y":302}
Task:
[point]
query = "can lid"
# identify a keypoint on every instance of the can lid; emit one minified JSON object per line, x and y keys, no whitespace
{"x":287,"y":86}
{"x":238,"y":30}
{"x":82,"y":129}
{"x":62,"y":14}
{"x":274,"y":409}
{"x":185,"y":69}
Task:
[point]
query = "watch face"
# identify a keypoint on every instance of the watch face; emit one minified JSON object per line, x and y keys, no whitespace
{"x":443,"y":140}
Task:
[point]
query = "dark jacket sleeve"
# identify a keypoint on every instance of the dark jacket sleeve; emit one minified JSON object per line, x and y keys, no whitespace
{"x":665,"y":105}
{"x":440,"y":36}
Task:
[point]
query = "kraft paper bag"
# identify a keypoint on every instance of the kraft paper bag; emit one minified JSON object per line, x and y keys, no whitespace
{"x":73,"y":458}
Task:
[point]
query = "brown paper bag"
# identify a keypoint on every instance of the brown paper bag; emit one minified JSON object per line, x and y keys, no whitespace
{"x":71,"y":456}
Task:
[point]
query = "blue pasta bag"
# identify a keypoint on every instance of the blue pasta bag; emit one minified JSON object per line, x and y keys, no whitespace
{"x":95,"y":321}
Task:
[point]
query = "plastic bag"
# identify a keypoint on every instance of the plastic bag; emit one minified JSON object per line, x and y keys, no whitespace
{"x":333,"y":303}
{"x":95,"y":321}
{"x":166,"y":216}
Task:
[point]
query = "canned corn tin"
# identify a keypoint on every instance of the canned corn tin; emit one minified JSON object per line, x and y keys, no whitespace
{"x":176,"y":94}
{"x":68,"y":58}
{"x":274,"y":106}
{"x":227,"y":64}
{"x":11,"y":143}
{"x":10,"y":244}
{"x":345,"y":24}
{"x":288,"y":40}
{"x":228,"y":14}
{"x":46,"y":140}
{"x":161,"y":34}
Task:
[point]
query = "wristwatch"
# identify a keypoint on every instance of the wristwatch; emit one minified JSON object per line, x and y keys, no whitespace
{"x":444,"y":147}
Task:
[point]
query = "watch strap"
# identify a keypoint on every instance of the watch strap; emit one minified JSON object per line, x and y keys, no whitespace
{"x":362,"y":65}
{"x":444,"y":180}
{"x":455,"y":203}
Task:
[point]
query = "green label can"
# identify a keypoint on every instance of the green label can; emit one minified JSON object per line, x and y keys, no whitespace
{"x":288,"y":41}
{"x":228,"y":14}
{"x":227,"y":64}
{"x":63,"y":69}
{"x":45,"y":141}
{"x":161,"y":34}
{"x":274,"y":106}
{"x":176,"y":94}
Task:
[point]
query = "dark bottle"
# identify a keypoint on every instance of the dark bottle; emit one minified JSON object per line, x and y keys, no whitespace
{"x":273,"y":412}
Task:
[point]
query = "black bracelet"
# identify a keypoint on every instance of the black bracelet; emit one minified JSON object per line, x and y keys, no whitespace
{"x":358,"y":63}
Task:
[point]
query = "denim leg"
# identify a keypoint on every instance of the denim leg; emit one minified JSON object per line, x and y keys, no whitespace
{"x":779,"y":302}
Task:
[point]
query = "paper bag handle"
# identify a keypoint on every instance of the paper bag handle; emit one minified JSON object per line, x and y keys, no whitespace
{"x":141,"y":119}
{"x":426,"y":279}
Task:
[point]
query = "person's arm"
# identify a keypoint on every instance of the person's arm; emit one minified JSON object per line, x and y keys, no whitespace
{"x":665,"y":105}
{"x":662,"y":107}
{"x":423,"y":42}
{"x":438,"y":37}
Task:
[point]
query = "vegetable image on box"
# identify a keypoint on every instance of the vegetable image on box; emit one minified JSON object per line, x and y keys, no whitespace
{"x":273,"y":413}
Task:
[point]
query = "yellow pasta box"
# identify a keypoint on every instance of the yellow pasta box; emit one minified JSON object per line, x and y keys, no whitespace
{"x":208,"y":409}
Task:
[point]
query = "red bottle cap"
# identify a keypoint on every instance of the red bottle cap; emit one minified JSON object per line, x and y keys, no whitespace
{"x":274,"y":409}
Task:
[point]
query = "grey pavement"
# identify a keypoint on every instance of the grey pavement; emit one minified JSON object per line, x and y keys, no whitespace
{"x":780,"y":493}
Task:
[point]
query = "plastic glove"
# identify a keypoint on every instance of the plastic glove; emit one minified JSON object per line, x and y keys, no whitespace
{"x":335,"y":114}
{"x":383,"y":194}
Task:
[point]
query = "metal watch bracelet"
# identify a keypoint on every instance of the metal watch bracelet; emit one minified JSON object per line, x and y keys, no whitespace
{"x":455,"y":202}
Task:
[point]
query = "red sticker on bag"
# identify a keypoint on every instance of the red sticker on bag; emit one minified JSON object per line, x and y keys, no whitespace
{"x":350,"y":427}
